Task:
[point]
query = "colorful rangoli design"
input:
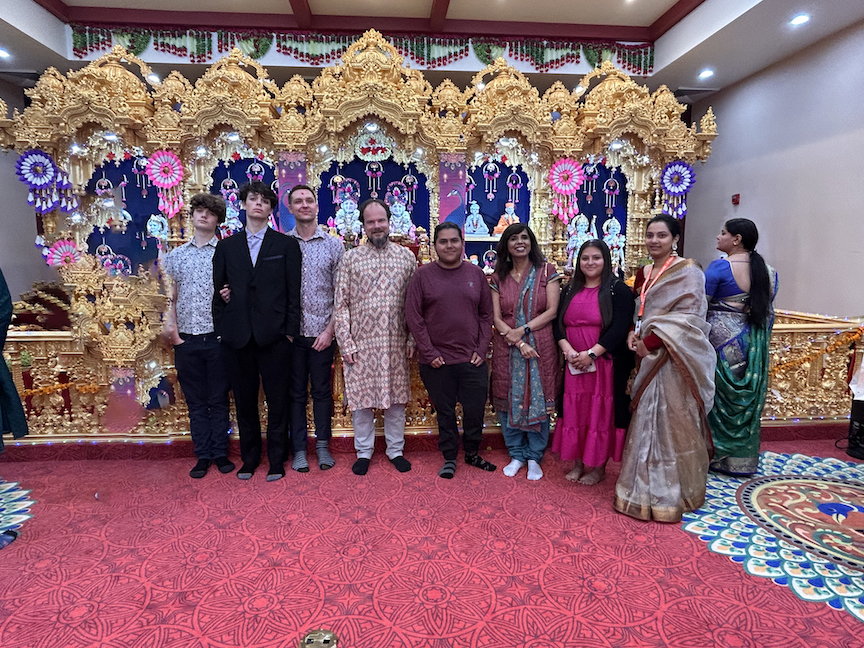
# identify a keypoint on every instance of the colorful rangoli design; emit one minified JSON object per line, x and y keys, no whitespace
{"x":799,"y":522}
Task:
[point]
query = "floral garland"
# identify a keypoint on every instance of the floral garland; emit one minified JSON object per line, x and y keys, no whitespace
{"x":843,"y":340}
{"x":316,"y":48}
{"x":254,"y":44}
{"x":92,"y":388}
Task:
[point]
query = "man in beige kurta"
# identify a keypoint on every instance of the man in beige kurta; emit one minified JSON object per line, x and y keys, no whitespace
{"x":373,"y":338}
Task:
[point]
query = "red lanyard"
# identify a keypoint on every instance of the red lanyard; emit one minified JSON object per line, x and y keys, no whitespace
{"x":648,"y":285}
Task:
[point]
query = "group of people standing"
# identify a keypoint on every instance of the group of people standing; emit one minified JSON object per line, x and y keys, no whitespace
{"x":268,"y":307}
{"x":695,"y":398}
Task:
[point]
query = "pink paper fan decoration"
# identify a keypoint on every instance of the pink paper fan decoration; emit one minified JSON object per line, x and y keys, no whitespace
{"x":165,"y":169}
{"x":166,"y":172}
{"x":63,"y":253}
{"x":565,"y":178}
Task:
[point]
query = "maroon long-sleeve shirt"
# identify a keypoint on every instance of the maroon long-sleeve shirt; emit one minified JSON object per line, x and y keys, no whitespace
{"x":449,"y":312}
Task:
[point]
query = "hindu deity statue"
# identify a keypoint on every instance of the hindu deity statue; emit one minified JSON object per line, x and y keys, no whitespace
{"x":508,"y":218}
{"x":579,"y":231}
{"x":348,"y":216}
{"x":613,"y":237}
{"x":474,"y":223}
{"x":400,"y":218}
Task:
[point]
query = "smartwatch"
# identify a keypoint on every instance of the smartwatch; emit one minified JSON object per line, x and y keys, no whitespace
{"x":592,"y":355}
{"x":527,"y":329}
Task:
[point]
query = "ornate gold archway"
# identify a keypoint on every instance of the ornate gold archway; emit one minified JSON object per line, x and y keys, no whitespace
{"x":117,"y":320}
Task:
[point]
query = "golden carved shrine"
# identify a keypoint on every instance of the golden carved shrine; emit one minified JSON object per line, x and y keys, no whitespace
{"x":235,"y":109}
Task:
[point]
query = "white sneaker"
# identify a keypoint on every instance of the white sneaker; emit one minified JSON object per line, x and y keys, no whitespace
{"x":535,"y":472}
{"x":513,"y":467}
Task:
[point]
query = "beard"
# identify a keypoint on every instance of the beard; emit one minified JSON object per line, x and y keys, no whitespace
{"x":379,"y":240}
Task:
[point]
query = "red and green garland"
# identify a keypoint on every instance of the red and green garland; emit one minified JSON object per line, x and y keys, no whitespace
{"x":315,"y":48}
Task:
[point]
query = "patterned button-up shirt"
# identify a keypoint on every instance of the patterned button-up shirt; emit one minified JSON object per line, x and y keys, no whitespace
{"x":321,"y":256}
{"x":370,"y":321}
{"x":254,"y":241}
{"x":191,"y":267}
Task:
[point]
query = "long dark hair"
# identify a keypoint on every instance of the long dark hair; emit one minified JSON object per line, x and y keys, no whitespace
{"x":759,"y":300}
{"x":577,"y":284}
{"x":504,"y":264}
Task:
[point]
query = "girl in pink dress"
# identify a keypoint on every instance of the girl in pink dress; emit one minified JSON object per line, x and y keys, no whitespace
{"x":594,"y":315}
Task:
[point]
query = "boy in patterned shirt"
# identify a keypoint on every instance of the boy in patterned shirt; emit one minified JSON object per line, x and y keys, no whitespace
{"x":188,"y":325}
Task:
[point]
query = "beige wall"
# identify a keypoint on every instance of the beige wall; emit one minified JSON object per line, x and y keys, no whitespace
{"x":791,"y":142}
{"x":21,"y":262}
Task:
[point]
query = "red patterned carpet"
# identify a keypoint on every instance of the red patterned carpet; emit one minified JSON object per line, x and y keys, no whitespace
{"x":133,"y":553}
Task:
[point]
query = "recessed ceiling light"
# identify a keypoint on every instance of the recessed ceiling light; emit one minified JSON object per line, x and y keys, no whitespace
{"x":706,"y":74}
{"x":4,"y":53}
{"x":800,"y":19}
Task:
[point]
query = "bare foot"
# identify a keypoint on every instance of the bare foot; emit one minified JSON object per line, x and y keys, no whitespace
{"x":576,"y":473}
{"x":593,"y":476}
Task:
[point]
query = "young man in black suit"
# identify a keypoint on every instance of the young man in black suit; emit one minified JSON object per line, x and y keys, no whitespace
{"x":257,"y":319}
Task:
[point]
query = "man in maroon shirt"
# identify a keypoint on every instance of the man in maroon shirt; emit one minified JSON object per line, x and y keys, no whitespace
{"x":449,"y":312}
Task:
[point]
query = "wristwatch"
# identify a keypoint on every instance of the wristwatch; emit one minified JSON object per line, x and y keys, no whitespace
{"x":527,"y":329}
{"x":592,"y":355}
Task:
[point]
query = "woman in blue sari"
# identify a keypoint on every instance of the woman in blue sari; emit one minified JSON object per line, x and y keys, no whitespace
{"x":740,"y":290}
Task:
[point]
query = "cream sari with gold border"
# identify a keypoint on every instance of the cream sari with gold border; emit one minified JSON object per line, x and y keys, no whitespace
{"x":665,"y":463}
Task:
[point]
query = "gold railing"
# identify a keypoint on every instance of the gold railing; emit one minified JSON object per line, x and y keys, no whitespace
{"x":67,"y":398}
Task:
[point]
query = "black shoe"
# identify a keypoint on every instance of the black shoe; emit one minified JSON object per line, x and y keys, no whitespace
{"x":479,"y":462}
{"x":200,"y":469}
{"x":224,"y":465}
{"x":246,"y":471}
{"x":360,"y":467}
{"x":401,"y":463}
{"x":276,"y":472}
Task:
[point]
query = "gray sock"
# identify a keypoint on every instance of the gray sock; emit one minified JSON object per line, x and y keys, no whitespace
{"x":300,"y":464}
{"x":325,"y":459}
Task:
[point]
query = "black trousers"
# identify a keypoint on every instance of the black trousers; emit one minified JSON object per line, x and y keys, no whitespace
{"x":269,"y":366}
{"x":313,"y":369}
{"x":463,"y":383}
{"x":204,"y":382}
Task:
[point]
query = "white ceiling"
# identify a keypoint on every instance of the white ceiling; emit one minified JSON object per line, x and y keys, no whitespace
{"x":735,"y":38}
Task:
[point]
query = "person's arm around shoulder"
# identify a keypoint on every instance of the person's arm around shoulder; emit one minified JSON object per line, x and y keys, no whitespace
{"x":293,"y":273}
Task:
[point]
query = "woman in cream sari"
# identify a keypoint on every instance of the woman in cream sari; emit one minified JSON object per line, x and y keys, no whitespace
{"x":665,"y":463}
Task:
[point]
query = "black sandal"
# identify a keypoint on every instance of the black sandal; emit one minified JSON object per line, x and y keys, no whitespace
{"x":448,"y":469}
{"x":479,"y":462}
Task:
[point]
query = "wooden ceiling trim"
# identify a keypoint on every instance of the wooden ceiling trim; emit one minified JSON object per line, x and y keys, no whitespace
{"x":672,"y":17}
{"x":438,"y":15}
{"x":302,"y":13}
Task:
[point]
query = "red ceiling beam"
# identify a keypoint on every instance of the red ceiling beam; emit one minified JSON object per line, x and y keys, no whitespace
{"x":438,"y":15}
{"x":672,"y":17}
{"x":302,"y":13}
{"x":56,"y":7}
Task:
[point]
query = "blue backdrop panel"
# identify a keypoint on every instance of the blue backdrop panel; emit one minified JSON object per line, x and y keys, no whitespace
{"x":392,"y":171}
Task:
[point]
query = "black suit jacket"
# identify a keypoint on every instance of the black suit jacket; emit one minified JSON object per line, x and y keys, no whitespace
{"x":265,"y":299}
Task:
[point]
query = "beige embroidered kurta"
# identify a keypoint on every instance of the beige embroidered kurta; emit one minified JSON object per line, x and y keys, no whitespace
{"x":369,"y":317}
